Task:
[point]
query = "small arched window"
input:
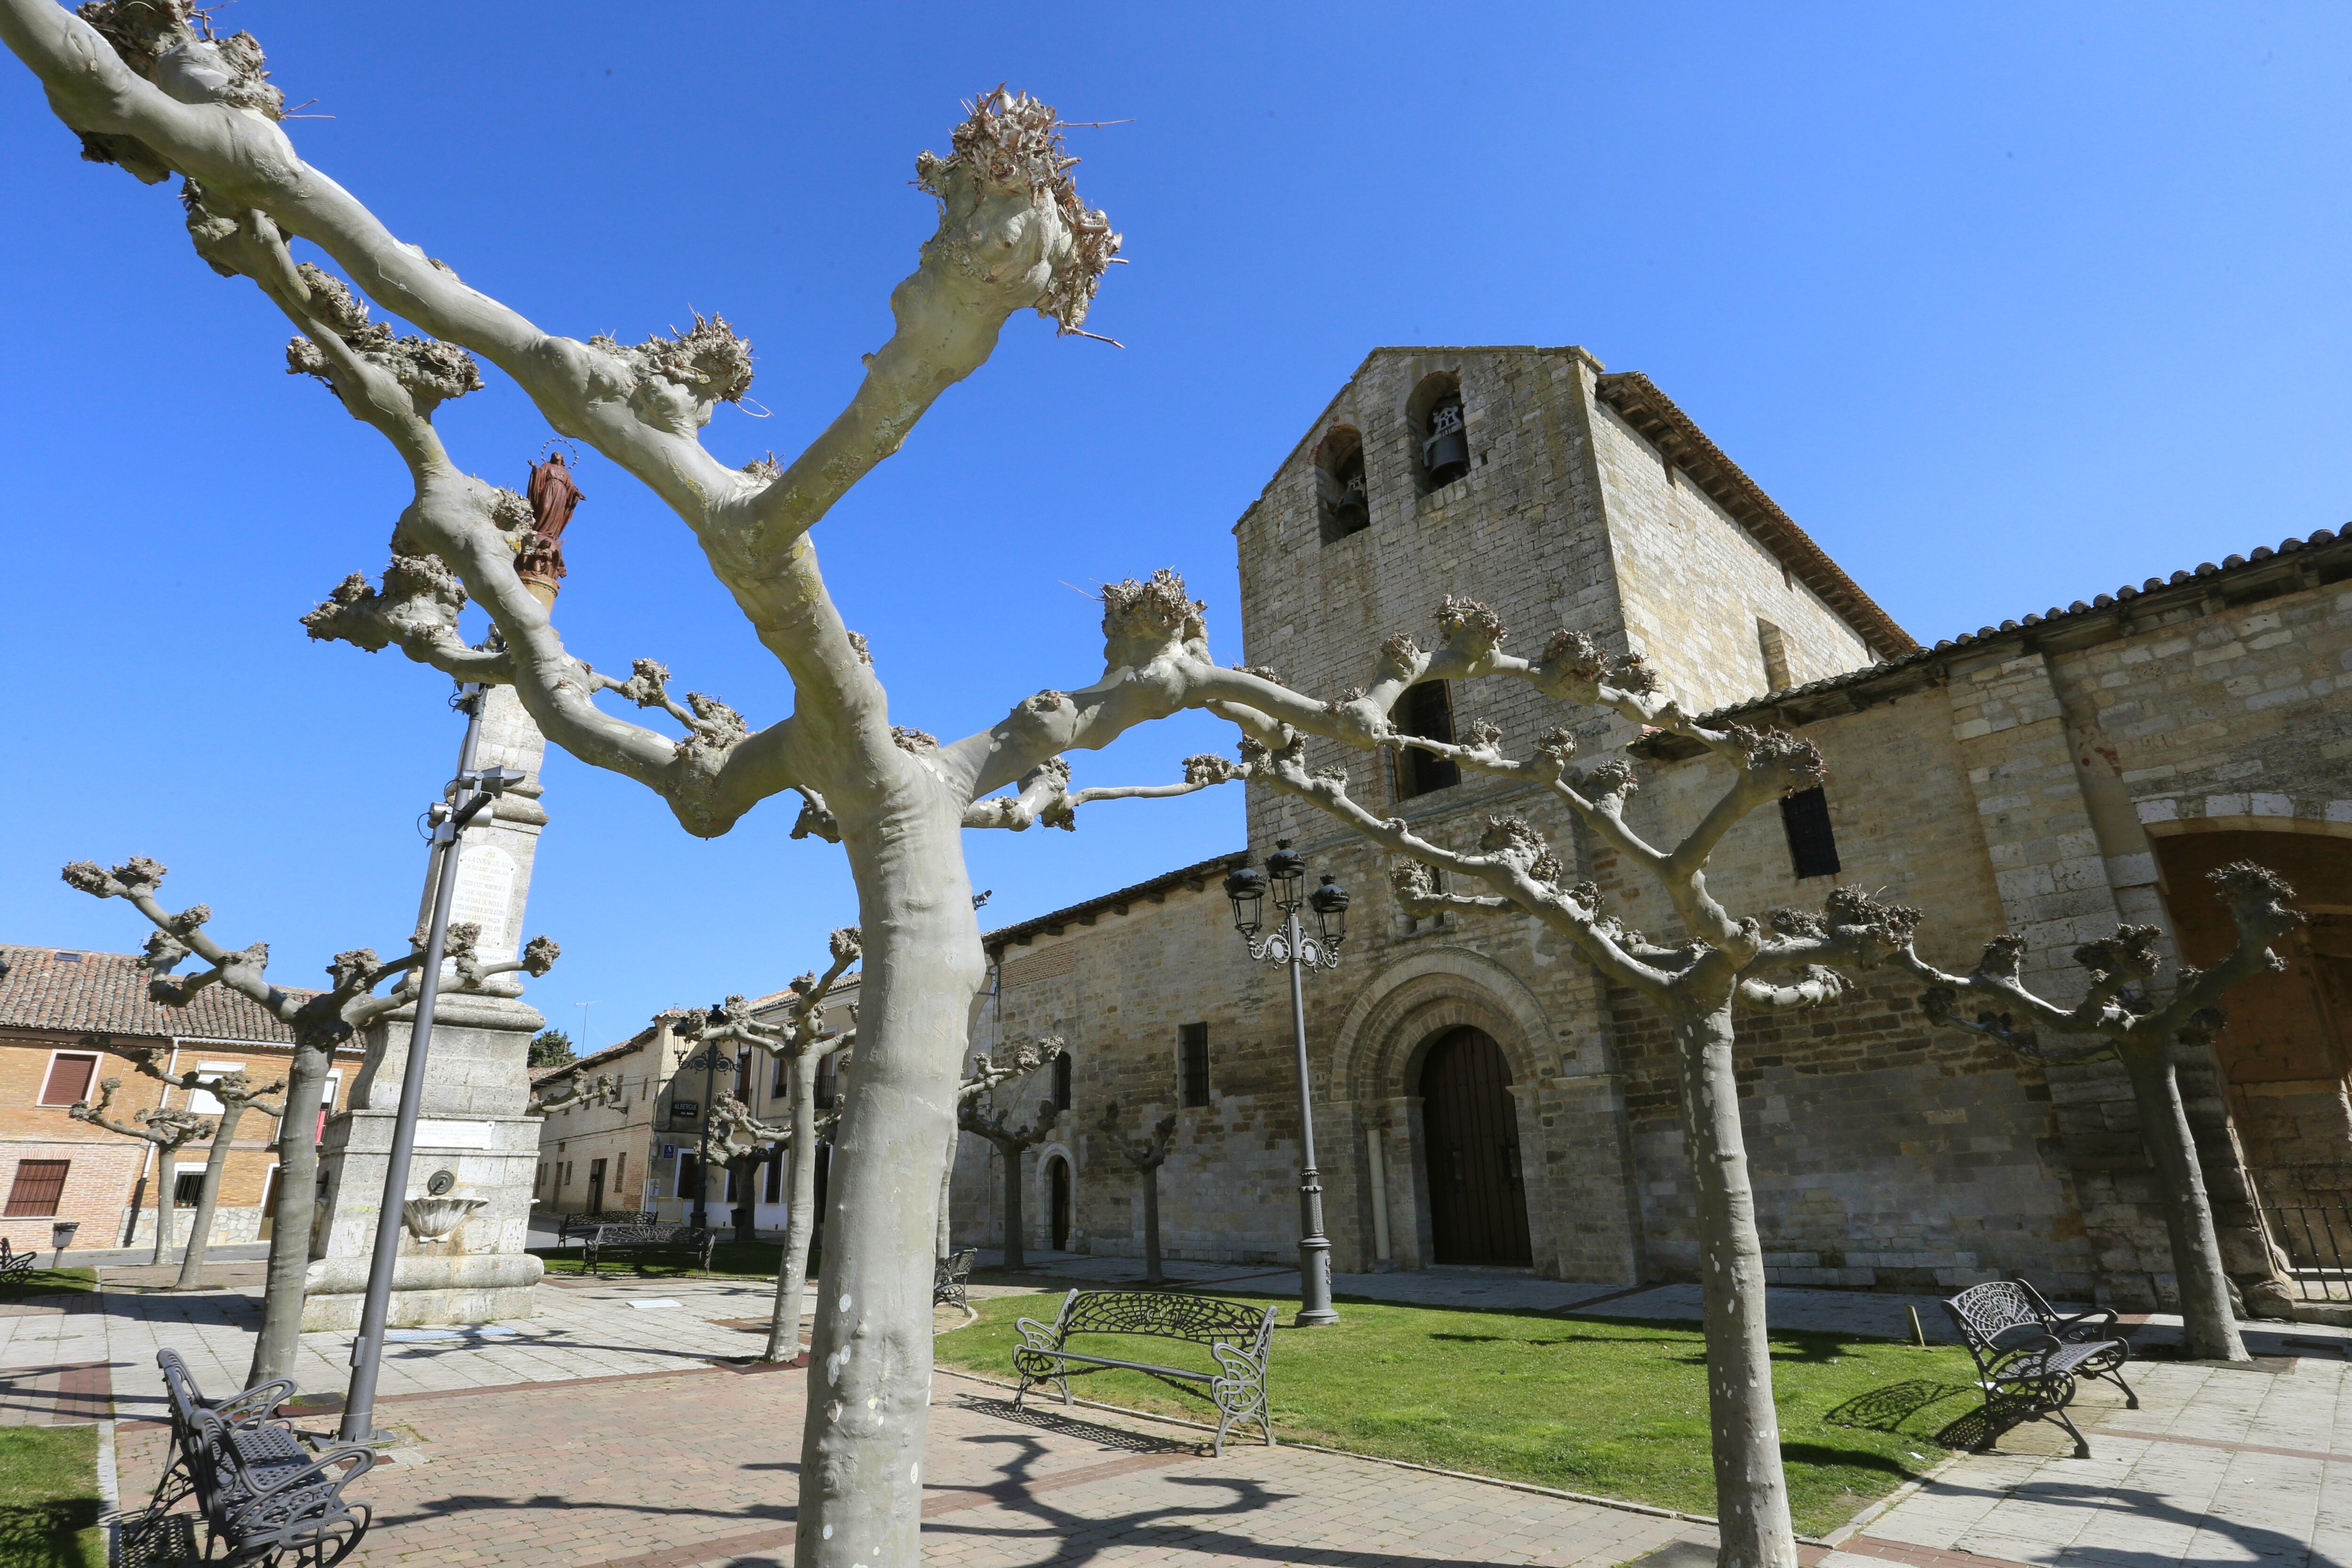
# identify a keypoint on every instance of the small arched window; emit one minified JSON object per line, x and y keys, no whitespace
{"x":1441,"y":436}
{"x":1339,"y":493}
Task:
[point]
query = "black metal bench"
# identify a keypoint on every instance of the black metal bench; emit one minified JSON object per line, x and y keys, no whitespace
{"x":1238,"y":1335}
{"x":263,"y":1496}
{"x":566,"y":1226}
{"x":952,"y":1278}
{"x":15,"y":1267}
{"x":2029,"y":1357}
{"x":685,"y":1237}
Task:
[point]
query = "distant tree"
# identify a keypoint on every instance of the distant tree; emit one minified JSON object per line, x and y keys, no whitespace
{"x":551,"y":1048}
{"x":1146,"y":1156}
{"x":235,"y":1092}
{"x":168,"y":1130}
{"x":976,"y":1112}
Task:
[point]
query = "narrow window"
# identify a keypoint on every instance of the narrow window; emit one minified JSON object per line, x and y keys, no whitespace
{"x":1813,"y":847}
{"x":187,"y":1186}
{"x":1341,"y":503}
{"x":68,"y":1079}
{"x":1428,"y":712}
{"x":1775,"y":650}
{"x":782,"y":1088}
{"x":39,"y":1186}
{"x":743,"y":1078}
{"x":1441,"y":435}
{"x":776,"y":1179}
{"x":620,"y":1168}
{"x":1062,"y":1082}
{"x":1192,"y":1060}
{"x":825,"y":1077}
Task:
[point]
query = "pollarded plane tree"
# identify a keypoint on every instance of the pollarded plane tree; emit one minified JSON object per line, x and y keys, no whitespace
{"x":320,"y":1021}
{"x":1146,"y":1154}
{"x":2118,"y":1017}
{"x":147,"y":89}
{"x":166,"y":1131}
{"x":800,"y":1042}
{"x":740,"y":1144}
{"x":977,"y":1112}
{"x":1701,"y":979}
{"x":237,"y":1093}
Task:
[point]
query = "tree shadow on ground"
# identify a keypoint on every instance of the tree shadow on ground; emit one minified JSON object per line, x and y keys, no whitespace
{"x":2258,"y":1542}
{"x":1048,"y":1420}
{"x":46,"y":1534}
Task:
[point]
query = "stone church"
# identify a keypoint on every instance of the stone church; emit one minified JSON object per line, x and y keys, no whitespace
{"x":1483,"y":1098}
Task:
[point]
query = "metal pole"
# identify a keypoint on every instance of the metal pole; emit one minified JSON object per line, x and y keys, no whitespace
{"x":1315,"y":1308}
{"x":367,"y":1350}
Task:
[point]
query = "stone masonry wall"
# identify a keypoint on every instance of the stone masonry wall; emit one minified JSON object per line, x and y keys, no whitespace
{"x":1694,"y":584}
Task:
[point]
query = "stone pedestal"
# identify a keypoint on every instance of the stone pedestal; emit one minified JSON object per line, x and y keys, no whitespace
{"x":472,"y":1123}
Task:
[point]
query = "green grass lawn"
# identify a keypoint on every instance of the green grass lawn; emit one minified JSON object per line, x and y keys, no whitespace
{"x":1588,"y":1404}
{"x":49,"y":1282}
{"x":761,"y":1259}
{"x":49,"y":1497}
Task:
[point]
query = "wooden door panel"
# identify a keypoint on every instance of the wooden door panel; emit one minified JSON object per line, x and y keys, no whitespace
{"x":1478,"y":1211}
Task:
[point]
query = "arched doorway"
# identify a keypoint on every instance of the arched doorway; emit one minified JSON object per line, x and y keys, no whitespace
{"x":1058,"y":1174}
{"x":1477,"y":1204}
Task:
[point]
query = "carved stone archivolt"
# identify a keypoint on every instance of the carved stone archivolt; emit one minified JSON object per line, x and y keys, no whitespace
{"x":1410,"y":1003}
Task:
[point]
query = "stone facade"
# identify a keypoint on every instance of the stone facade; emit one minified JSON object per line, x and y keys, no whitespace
{"x":645,"y":1137}
{"x":2052,"y":775}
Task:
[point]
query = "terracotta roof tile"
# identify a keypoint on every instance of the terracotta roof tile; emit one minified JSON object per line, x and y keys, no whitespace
{"x":77,"y":990}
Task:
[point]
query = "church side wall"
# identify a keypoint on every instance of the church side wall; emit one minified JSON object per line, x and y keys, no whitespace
{"x":1694,"y":583}
{"x":1885,"y":1154}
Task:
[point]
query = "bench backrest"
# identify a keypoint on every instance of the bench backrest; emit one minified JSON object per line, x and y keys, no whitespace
{"x":179,"y":1388}
{"x":647,"y":1235}
{"x":1983,"y":1311}
{"x":1167,"y":1315}
{"x":959,"y":1267}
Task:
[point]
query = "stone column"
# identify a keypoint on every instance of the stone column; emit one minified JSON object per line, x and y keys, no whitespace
{"x":472,"y":1123}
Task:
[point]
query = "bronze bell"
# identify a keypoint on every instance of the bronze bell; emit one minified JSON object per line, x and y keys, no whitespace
{"x":1445,"y":455}
{"x":1351,"y":511}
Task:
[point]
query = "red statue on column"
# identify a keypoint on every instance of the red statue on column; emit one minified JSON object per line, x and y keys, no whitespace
{"x":553,"y":497}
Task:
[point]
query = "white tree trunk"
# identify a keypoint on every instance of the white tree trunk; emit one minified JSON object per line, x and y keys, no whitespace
{"x":871,"y":1359}
{"x":290,"y":1219}
{"x":1751,"y":1494}
{"x":167,"y":1178}
{"x":2208,"y":1324}
{"x":200,"y":1227}
{"x":800,"y":1220}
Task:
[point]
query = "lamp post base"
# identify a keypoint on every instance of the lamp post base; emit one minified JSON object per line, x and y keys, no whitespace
{"x":1315,"y":1309}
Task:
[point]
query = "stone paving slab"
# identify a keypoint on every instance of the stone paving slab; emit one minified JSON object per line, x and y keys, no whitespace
{"x":685,"y":1469}
{"x":2219,"y":1467}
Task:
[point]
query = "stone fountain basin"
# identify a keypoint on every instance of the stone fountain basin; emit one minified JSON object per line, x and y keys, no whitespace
{"x":432,"y":1219}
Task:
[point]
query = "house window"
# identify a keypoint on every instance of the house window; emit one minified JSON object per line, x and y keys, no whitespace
{"x":68,"y":1079}
{"x":826,"y":1075}
{"x":620,"y":1168}
{"x":1428,"y":712}
{"x":776,"y":1179}
{"x":1193,"y":1061}
{"x":1775,"y":650}
{"x":188,"y":1186}
{"x":1062,"y":1082}
{"x":1441,"y":436}
{"x":1812,"y":846}
{"x":1340,"y":499}
{"x":39,"y":1186}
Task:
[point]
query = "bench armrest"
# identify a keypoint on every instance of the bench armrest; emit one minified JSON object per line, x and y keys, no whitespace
{"x":255,"y":1403}
{"x":2099,"y":1323}
{"x":1037,"y":1336}
{"x":1238,"y":1361}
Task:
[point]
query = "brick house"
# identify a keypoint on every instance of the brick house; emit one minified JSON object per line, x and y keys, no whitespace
{"x":53,"y":1001}
{"x":1483,"y":1098}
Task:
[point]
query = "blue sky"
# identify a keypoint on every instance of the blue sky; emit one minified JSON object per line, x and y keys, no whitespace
{"x":2006,"y":306}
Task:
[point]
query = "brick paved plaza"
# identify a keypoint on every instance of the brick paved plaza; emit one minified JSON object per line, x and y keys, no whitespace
{"x":617,"y":1427}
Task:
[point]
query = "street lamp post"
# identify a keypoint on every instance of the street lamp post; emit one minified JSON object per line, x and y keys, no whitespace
{"x":1290,"y":945}
{"x":468,"y":795}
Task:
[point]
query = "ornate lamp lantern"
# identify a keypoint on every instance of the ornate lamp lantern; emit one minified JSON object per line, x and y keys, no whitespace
{"x":1290,"y":945}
